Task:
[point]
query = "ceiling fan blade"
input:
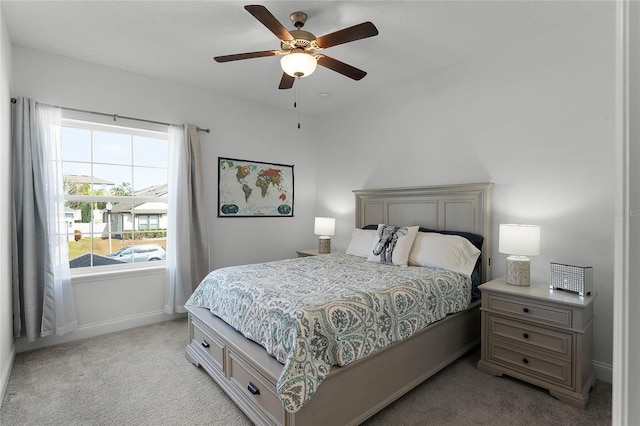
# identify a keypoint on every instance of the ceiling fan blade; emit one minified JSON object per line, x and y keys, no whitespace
{"x":248,"y":55}
{"x":341,"y":67}
{"x":357,"y":32}
{"x":286,"y":82}
{"x":268,"y":20}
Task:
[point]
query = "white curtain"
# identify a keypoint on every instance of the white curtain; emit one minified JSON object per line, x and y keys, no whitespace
{"x":42,"y":294}
{"x":187,"y":239}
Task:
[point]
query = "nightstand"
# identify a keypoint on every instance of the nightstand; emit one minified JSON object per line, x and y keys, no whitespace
{"x":312,"y":252}
{"x":539,"y":335}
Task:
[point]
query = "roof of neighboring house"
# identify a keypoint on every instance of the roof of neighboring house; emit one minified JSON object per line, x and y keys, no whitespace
{"x":138,"y":210}
{"x":152,"y":191}
{"x":87,"y":179}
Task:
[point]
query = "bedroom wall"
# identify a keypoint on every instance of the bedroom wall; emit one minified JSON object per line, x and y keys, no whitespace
{"x":537,"y":119}
{"x":7,"y":348}
{"x":239,"y":129}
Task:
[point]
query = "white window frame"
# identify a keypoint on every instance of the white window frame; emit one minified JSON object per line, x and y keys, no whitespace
{"x":93,"y":122}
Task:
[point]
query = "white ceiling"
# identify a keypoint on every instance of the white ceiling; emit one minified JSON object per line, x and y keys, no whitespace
{"x":176,"y":40}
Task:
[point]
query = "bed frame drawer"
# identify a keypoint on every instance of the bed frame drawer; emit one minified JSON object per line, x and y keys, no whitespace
{"x":211,"y":345}
{"x":257,"y":389}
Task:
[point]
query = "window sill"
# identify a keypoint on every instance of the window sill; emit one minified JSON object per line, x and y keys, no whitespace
{"x":117,"y":271}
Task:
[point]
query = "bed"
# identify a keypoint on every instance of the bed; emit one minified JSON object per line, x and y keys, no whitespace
{"x":348,"y":382}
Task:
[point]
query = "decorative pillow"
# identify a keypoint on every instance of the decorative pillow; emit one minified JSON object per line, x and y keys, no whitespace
{"x":393,"y":244}
{"x":475,"y":239}
{"x":361,"y":242}
{"x":451,"y":252}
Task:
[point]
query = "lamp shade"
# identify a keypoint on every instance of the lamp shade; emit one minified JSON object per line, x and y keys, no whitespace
{"x":298,"y":64}
{"x":325,"y":226}
{"x":520,"y":240}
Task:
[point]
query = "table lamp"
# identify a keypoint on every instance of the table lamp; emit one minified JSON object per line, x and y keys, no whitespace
{"x":519,"y":241}
{"x":324,"y":227}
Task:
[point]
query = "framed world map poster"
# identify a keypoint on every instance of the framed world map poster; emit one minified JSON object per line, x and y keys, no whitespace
{"x":253,"y":188}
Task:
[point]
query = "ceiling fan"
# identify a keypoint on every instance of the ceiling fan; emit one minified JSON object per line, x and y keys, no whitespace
{"x":299,"y":47}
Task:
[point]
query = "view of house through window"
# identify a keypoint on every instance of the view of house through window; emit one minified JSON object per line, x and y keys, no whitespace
{"x":115,"y":181}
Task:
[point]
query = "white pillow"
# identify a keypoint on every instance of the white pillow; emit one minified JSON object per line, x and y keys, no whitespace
{"x":451,"y":252}
{"x":361,"y":242}
{"x":393,"y":244}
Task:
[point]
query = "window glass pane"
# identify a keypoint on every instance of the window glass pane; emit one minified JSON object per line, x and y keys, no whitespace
{"x":76,"y":178}
{"x":113,"y":148}
{"x":111,"y":177}
{"x":76,"y":144}
{"x":146,"y":178}
{"x":78,"y":169}
{"x":95,"y":243}
{"x":150,"y":151}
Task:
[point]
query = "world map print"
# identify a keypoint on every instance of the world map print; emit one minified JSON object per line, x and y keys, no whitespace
{"x":253,"y":188}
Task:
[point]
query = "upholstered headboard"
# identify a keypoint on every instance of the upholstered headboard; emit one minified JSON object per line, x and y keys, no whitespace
{"x":459,"y":207}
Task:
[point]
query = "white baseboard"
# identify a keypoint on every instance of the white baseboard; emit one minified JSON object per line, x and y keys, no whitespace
{"x":97,"y":329}
{"x":603,"y":371}
{"x":6,"y":374}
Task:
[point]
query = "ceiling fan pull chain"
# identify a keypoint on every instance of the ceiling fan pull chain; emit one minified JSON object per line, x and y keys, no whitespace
{"x":296,"y":102}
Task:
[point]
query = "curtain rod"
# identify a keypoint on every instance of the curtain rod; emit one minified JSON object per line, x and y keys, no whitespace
{"x":116,"y":116}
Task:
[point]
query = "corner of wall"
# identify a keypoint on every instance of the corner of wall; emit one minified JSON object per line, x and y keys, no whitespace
{"x":603,"y":371}
{"x":5,"y":374}
{"x":7,"y":344}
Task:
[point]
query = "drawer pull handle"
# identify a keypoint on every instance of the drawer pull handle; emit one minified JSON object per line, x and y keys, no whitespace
{"x":253,"y":389}
{"x":525,"y":310}
{"x":205,"y":343}
{"x":526,"y":361}
{"x":525,"y":335}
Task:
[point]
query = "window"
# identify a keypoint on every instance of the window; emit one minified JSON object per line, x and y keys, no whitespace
{"x":115,"y":180}
{"x":148,"y":221}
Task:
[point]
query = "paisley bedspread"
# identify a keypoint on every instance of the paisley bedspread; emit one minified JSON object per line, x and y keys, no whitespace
{"x":312,"y":313}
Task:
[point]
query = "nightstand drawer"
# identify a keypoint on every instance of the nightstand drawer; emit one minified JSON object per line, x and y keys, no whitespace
{"x":554,"y":341}
{"x":529,"y":311}
{"x":550,"y":369}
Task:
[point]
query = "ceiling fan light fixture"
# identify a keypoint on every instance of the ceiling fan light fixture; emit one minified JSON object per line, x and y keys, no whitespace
{"x":298,"y":64}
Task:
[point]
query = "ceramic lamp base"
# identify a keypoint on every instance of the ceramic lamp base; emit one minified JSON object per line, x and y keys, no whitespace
{"x":325,"y":245}
{"x":518,"y":269}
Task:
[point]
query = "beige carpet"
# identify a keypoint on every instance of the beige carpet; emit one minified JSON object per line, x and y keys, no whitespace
{"x":141,"y":377}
